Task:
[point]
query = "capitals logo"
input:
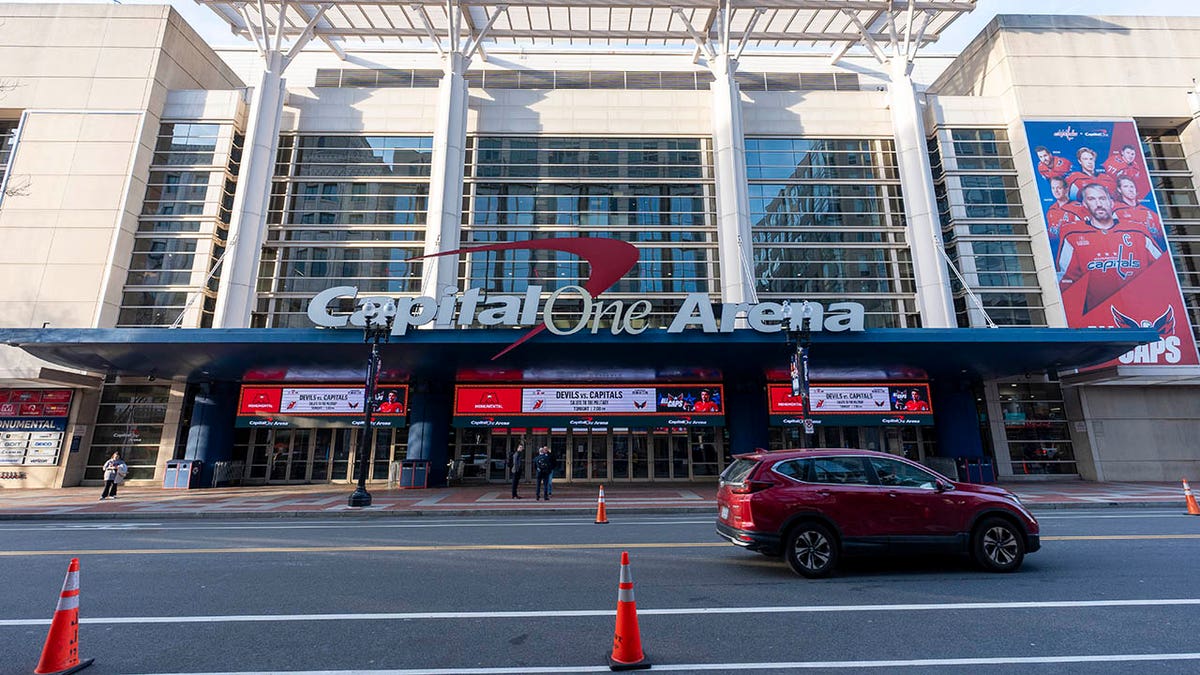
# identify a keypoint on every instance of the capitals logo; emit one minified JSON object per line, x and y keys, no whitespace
{"x":1166,"y":350}
{"x":1122,"y":263}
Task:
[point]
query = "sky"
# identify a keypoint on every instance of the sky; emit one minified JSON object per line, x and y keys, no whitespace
{"x":216,"y":32}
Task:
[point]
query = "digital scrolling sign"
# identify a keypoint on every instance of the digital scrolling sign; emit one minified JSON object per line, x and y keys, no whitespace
{"x":855,"y":404}
{"x":319,"y":405}
{"x":583,"y":406}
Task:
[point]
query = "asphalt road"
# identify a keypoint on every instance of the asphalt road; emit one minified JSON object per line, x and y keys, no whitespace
{"x":1113,"y":590}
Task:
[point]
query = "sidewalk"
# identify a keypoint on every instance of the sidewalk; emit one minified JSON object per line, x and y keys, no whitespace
{"x":316,"y":501}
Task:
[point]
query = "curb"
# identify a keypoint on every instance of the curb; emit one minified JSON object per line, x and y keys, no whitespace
{"x":368,"y":512}
{"x":372,"y":513}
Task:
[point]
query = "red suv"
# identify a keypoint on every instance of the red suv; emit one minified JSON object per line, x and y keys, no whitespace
{"x":812,"y":506}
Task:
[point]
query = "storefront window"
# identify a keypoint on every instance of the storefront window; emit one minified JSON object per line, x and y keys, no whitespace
{"x":1035,"y":425}
{"x":129,"y":421}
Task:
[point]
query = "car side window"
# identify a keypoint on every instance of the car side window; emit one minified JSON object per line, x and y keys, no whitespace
{"x":898,"y":474}
{"x":800,"y":469}
{"x":839,"y":471}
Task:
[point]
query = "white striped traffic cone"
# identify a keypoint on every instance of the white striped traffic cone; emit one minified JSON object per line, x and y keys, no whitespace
{"x":60,"y":655}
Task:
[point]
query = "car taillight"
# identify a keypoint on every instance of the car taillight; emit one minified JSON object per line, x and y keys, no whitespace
{"x":750,"y":487}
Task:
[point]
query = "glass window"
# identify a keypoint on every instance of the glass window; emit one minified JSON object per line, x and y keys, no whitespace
{"x":129,"y":421}
{"x":839,"y":470}
{"x":898,"y":474}
{"x":8,"y":141}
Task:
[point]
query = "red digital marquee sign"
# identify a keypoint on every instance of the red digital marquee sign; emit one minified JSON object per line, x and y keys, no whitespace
{"x":857,"y":403}
{"x":270,"y":405}
{"x":578,"y":405}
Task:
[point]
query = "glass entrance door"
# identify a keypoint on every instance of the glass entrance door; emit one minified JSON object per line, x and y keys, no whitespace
{"x":589,"y":455}
{"x":291,"y":451}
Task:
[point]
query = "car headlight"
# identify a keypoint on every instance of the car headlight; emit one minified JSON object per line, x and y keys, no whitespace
{"x":1014,"y":498}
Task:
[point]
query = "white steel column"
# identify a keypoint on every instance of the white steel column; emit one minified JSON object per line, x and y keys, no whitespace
{"x":923,"y":229}
{"x":444,"y":216}
{"x":248,"y":223}
{"x":729,"y":172}
{"x":247,"y":228}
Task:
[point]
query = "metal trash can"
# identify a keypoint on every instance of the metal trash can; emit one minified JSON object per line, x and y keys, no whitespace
{"x":182,"y":473}
{"x":414,"y":473}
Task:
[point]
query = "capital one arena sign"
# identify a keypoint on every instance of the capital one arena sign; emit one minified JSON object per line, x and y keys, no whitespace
{"x":609,"y":259}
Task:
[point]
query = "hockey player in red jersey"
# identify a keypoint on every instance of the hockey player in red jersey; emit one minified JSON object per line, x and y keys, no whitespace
{"x":1051,"y":166}
{"x":1131,"y":212}
{"x":1125,"y":163}
{"x":1089,"y":173}
{"x":1107,"y":255}
{"x":1063,"y":216}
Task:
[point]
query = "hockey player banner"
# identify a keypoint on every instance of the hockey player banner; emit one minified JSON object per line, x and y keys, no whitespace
{"x":1110,"y":250}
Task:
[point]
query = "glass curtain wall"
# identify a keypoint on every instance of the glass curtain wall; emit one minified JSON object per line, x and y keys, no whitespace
{"x":984,"y":228}
{"x":1035,"y":428}
{"x":173,"y":273}
{"x":656,"y":193}
{"x":828,"y":225}
{"x":1176,"y":195}
{"x":129,"y":421}
{"x":345,"y":210}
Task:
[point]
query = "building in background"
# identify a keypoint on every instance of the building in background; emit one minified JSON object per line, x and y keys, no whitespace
{"x":169,"y":212}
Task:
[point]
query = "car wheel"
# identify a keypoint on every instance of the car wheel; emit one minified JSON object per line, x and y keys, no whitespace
{"x":811,"y":550}
{"x":998,"y":545}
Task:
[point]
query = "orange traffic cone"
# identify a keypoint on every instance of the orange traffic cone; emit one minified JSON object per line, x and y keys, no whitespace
{"x":61,"y":653}
{"x":1193,"y":508}
{"x":627,"y":651}
{"x":601,"y":514}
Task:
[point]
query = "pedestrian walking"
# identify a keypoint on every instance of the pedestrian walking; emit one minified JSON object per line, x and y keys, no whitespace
{"x":115,"y":470}
{"x":515,"y":465}
{"x":543,"y":463}
{"x":553,"y":468}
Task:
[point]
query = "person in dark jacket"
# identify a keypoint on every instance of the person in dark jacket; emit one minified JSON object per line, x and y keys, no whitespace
{"x":516,"y":464}
{"x":544,"y":464}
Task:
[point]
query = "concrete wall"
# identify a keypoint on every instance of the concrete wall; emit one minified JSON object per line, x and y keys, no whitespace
{"x":88,"y":84}
{"x":1140,"y":433}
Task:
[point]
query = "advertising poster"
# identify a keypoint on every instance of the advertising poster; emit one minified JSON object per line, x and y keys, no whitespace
{"x":582,"y":406}
{"x":32,"y":423}
{"x":320,"y":405}
{"x":1111,"y":253}
{"x":856,"y":404}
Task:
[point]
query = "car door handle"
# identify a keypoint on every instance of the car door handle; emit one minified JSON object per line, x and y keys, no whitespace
{"x":893,"y":494}
{"x":823,"y":493}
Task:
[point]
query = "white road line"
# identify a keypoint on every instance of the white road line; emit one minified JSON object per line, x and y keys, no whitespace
{"x":794,"y":665}
{"x":429,"y":616}
{"x":1133,"y":516}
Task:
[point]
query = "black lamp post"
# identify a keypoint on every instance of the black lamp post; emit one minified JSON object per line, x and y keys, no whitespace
{"x":378,"y":328}
{"x":799,"y":340}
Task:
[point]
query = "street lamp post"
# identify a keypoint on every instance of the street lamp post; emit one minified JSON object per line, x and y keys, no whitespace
{"x":378,"y":328}
{"x":799,"y":341}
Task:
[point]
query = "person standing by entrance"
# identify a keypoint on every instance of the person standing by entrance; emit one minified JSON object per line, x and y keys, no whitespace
{"x":544,"y":464}
{"x":115,"y":471}
{"x":515,"y":465}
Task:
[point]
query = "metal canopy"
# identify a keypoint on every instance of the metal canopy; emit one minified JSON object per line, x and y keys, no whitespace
{"x":829,"y":26}
{"x":232,"y":354}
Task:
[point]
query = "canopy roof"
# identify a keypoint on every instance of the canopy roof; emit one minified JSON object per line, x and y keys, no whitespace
{"x":233,"y":354}
{"x":831,"y":26}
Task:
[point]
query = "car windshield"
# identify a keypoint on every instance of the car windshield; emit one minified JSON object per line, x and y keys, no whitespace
{"x":738,"y":471}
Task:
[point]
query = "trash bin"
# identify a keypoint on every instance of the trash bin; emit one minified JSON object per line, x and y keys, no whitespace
{"x":182,"y":473}
{"x":414,"y":473}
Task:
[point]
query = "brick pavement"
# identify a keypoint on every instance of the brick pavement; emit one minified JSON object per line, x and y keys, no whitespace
{"x":488,"y":499}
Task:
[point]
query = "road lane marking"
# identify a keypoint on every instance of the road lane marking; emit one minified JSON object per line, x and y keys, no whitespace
{"x":644,"y":611}
{"x":483,"y":547}
{"x":1118,"y":537}
{"x":783,"y":665}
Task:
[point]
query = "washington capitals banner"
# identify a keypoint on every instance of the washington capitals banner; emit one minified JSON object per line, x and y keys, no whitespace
{"x":1111,"y":254}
